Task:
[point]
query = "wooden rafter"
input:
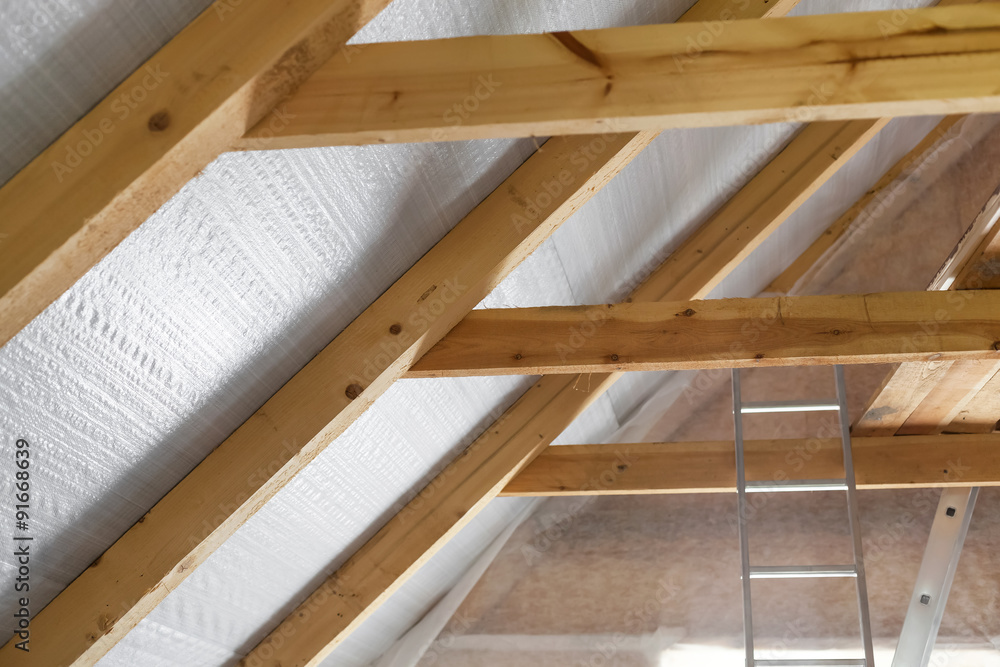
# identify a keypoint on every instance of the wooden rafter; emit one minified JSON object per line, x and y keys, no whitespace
{"x":890,"y":462}
{"x":842,"y":66}
{"x":863,"y":212}
{"x":721,"y":333}
{"x":925,"y":398}
{"x":423,"y":526}
{"x":117,"y":165}
{"x":314,"y":407}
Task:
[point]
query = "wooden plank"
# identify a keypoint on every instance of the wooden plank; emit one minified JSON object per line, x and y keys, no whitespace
{"x":865,"y":210}
{"x":901,"y":392}
{"x":720,"y":333}
{"x":331,"y":612}
{"x":927,"y":396}
{"x":314,"y":407}
{"x":125,"y":158}
{"x":982,"y":413}
{"x":952,"y":394}
{"x":838,"y":67}
{"x":893,"y":462}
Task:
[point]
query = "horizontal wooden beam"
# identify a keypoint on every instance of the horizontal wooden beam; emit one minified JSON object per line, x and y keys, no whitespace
{"x":844,"y":66}
{"x":125,"y":158}
{"x":720,"y":333}
{"x":891,"y":462}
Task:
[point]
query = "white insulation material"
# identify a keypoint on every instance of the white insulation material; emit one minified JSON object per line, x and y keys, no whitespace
{"x":157,"y":354}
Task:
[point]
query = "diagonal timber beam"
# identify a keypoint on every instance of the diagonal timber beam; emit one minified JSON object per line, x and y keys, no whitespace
{"x":885,"y":193}
{"x":205,"y":508}
{"x":924,"y":398}
{"x":720,"y":333}
{"x":888,"y":462}
{"x":338,"y":606}
{"x":117,"y":165}
{"x":837,"y":67}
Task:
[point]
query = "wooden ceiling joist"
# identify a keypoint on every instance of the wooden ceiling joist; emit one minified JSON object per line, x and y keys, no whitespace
{"x":721,"y":333}
{"x":205,"y":508}
{"x":891,"y":462}
{"x":107,"y":174}
{"x":811,"y":68}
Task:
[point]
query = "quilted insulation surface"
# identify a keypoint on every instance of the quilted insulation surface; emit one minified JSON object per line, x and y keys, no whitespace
{"x":157,"y":354}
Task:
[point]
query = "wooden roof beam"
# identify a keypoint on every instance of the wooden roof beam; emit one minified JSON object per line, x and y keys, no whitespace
{"x":107,"y":174}
{"x":341,"y":603}
{"x":810,"y":68}
{"x":206,"y":507}
{"x":888,"y":462}
{"x":721,"y":333}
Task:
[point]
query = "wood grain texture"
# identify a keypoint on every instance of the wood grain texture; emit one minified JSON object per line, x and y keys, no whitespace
{"x":205,"y":508}
{"x":720,"y":333}
{"x":894,"y":462}
{"x":117,"y":165}
{"x":927,"y":397}
{"x":952,"y":395}
{"x":982,"y":413}
{"x":899,"y":395}
{"x":803,"y":69}
{"x":452,"y":498}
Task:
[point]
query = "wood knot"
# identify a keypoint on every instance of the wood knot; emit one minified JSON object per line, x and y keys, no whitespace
{"x":353,"y":391}
{"x":614,"y":357}
{"x":159,"y":121}
{"x":395,"y":329}
{"x":518,"y":356}
{"x":759,"y":355}
{"x":996,"y":346}
{"x":836,"y":332}
{"x":688,"y":313}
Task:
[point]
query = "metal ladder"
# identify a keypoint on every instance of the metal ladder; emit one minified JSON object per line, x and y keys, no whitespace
{"x":855,"y":570}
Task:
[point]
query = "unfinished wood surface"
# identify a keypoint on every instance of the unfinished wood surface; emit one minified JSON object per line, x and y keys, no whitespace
{"x":314,"y":407}
{"x":453,"y":498}
{"x":901,"y":392}
{"x":928,"y":396}
{"x":861,"y":214}
{"x":893,"y":462}
{"x":720,"y":333}
{"x":115,"y":167}
{"x":982,"y":413}
{"x":837,"y":67}
{"x":952,"y":394}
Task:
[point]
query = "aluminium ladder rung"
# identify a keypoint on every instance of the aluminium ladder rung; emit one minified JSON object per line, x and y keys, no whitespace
{"x":808,"y":662}
{"x":801,"y":571}
{"x":797,"y":485}
{"x":814,"y":405}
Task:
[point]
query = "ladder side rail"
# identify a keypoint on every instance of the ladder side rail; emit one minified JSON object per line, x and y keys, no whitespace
{"x":853,"y":517}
